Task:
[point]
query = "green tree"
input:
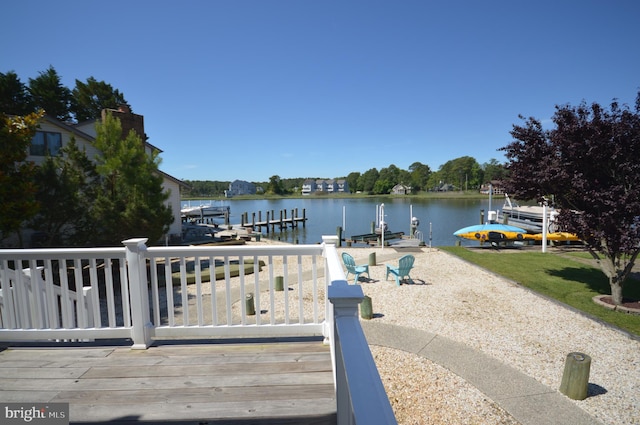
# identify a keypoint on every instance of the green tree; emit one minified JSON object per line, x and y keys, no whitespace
{"x":49,"y":94}
{"x":493,"y":170}
{"x":17,"y":188}
{"x":391,"y":174}
{"x":463,"y":172}
{"x":205,"y":188}
{"x":275,"y":185}
{"x":352,"y":181}
{"x":419,"y":176}
{"x":382,"y":187}
{"x":368,"y":180}
{"x":131,"y":202}
{"x":589,"y":163}
{"x":67,"y":186}
{"x":14,"y":95}
{"x":90,"y":98}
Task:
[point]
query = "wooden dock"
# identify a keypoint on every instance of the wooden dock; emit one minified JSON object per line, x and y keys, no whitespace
{"x":254,"y":382}
{"x":376,"y":237}
{"x":271,"y":221}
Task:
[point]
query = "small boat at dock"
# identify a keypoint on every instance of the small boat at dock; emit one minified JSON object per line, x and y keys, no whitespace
{"x":528,"y":217}
{"x":204,"y":210}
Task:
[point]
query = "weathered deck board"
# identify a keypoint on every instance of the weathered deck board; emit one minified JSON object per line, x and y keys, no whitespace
{"x":242,"y":383}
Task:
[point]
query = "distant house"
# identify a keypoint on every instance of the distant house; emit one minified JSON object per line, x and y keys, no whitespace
{"x":495,"y":186}
{"x":321,"y":185}
{"x":308,"y":187}
{"x":444,"y":187}
{"x":400,"y":189}
{"x":52,"y":135}
{"x":240,"y":187}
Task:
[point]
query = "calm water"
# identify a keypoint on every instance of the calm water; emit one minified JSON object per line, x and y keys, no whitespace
{"x":442,"y":216}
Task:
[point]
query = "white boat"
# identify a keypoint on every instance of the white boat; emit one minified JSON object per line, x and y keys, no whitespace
{"x":204,"y":210}
{"x":527,"y":217}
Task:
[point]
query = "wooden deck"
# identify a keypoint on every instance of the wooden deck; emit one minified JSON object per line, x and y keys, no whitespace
{"x":237,"y":382}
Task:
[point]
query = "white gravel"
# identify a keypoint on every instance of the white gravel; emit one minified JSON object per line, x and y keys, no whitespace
{"x":462,"y":302}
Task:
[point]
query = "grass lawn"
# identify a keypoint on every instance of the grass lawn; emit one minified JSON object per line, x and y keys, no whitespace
{"x":556,"y":276}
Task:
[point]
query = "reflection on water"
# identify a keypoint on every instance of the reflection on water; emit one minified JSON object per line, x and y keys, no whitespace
{"x":439,"y":218}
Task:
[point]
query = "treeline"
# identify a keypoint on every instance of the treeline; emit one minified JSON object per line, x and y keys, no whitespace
{"x":463,"y":173}
{"x":46,"y":92}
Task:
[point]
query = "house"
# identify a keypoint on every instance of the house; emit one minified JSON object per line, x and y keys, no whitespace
{"x":321,"y":185}
{"x":308,"y":187}
{"x":343,"y":186}
{"x":495,"y":186}
{"x":240,"y":187}
{"x":52,"y":135}
{"x":400,"y":189}
{"x":324,"y":185}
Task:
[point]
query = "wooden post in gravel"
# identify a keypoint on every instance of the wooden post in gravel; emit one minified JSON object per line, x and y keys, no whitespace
{"x":575,"y":380}
{"x":366,"y":309}
{"x":279,"y":283}
{"x":250,"y":306}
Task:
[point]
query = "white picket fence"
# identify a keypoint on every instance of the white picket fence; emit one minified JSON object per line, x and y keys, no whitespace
{"x":142,"y":293}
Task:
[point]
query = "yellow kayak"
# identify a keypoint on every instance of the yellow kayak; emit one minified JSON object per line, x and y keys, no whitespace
{"x":491,"y":232}
{"x":556,"y":236}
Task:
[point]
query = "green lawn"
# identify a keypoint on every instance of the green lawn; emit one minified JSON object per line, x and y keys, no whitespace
{"x":556,"y":276}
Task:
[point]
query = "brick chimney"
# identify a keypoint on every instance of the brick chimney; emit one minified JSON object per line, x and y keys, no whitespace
{"x":128,"y":120}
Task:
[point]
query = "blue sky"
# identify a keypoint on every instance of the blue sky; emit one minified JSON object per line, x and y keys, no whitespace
{"x":251,"y":89}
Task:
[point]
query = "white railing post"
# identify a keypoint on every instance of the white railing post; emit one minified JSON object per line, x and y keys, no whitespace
{"x":139,"y":293}
{"x":345,"y":300}
{"x":360,"y":394}
{"x":332,"y":270}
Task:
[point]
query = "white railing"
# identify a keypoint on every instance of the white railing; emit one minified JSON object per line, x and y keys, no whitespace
{"x":141,"y":293}
{"x":64,"y":294}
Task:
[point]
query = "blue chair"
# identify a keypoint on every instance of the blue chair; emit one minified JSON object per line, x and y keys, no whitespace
{"x":350,"y":264}
{"x":405,"y":264}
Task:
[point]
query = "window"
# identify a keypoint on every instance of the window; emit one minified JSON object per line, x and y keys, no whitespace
{"x":46,"y":143}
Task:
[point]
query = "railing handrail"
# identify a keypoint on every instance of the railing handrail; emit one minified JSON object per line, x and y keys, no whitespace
{"x":62,"y":253}
{"x":237,"y":250}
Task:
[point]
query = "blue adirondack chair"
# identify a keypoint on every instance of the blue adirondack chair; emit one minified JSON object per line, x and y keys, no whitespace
{"x":350,"y":264}
{"x":405,"y":264}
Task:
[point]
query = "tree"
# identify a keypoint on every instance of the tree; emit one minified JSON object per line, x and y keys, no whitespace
{"x":493,"y":170}
{"x":382,"y":187}
{"x":368,"y":179}
{"x":17,"y":188}
{"x":131,"y":200}
{"x":390,"y":173}
{"x":589,"y":163}
{"x":14,"y":95}
{"x":463,"y":172}
{"x":49,"y":94}
{"x":67,"y":186}
{"x":352,"y":181}
{"x":90,"y":98}
{"x":419,"y":176}
{"x":205,"y":189}
{"x":275,"y":185}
